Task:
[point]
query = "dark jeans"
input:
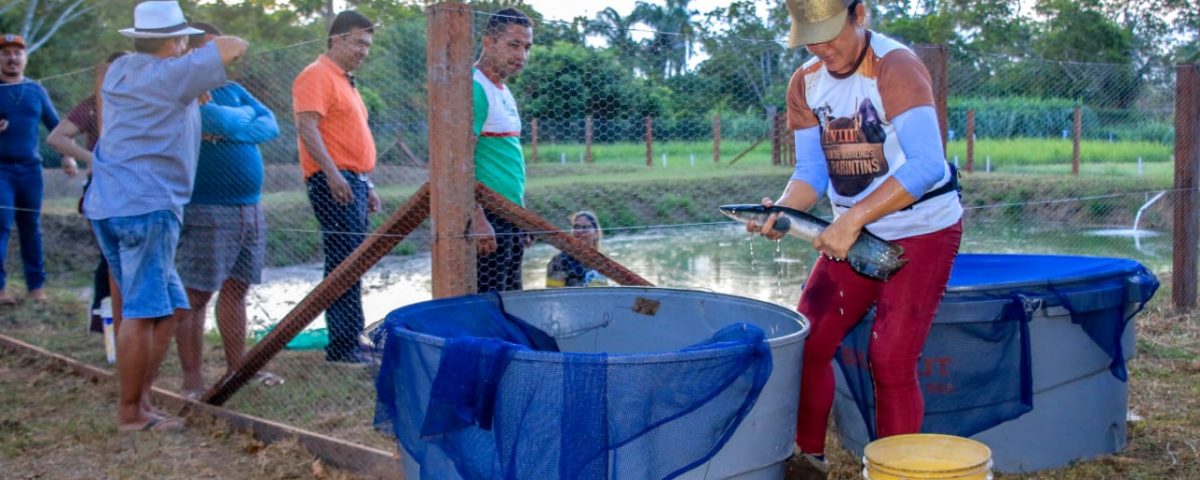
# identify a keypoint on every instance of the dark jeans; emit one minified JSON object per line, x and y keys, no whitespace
{"x":100,"y":292}
{"x":501,"y":271}
{"x":343,"y":228}
{"x":21,"y":199}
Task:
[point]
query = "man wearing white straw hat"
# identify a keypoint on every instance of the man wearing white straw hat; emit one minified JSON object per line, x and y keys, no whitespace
{"x":145,"y":163}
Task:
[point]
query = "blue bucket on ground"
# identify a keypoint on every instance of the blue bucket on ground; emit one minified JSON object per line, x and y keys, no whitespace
{"x":1027,"y":355}
{"x":646,"y":383}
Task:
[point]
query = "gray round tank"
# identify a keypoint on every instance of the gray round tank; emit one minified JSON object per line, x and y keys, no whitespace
{"x":649,"y":321}
{"x":1078,"y":402}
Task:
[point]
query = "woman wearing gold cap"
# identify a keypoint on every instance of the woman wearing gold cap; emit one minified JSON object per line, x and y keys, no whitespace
{"x":867,"y":136}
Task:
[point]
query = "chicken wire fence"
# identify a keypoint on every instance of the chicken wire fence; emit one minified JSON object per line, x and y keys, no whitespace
{"x":650,"y":144}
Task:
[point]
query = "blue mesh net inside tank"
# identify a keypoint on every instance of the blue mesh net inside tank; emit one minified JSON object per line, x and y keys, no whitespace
{"x":475,"y":393}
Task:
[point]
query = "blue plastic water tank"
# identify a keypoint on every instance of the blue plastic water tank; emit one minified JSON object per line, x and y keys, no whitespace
{"x":1079,"y":401}
{"x":642,"y":324}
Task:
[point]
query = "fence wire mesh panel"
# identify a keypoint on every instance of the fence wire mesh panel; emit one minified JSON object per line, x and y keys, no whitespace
{"x":626,"y":139}
{"x":1101,"y":114}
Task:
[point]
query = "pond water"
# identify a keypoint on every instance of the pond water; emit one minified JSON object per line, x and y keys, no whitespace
{"x":720,"y":257}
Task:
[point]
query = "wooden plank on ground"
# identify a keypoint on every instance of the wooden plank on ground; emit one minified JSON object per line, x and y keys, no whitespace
{"x":339,"y":453}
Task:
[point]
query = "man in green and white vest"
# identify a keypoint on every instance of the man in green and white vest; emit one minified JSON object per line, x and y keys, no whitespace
{"x":499,"y":161}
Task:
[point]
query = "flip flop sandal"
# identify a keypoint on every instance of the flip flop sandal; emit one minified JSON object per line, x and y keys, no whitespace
{"x":156,"y":424}
{"x":269,"y":379}
{"x":193,"y":394}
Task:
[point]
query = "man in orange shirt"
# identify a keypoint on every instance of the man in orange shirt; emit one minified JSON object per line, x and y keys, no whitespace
{"x":337,"y":151}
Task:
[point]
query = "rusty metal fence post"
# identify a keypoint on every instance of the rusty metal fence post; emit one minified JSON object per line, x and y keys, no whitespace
{"x":1187,"y":171}
{"x":716,"y":122}
{"x":533,"y":146}
{"x":970,"y":140}
{"x":649,"y":142}
{"x":587,"y":139}
{"x":1076,"y":138}
{"x":934,"y":57}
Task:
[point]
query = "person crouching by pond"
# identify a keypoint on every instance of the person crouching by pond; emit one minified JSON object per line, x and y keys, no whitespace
{"x":567,"y":271}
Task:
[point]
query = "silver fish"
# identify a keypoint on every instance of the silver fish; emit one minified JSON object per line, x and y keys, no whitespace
{"x":870,"y":255}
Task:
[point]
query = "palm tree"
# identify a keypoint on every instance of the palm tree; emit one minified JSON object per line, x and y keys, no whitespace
{"x":667,"y":53}
{"x":610,"y":25}
{"x":614,"y":28}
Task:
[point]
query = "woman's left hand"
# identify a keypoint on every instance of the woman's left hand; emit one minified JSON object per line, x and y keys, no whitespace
{"x":836,"y":240}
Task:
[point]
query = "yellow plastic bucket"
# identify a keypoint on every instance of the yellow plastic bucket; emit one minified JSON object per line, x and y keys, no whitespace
{"x":924,"y":456}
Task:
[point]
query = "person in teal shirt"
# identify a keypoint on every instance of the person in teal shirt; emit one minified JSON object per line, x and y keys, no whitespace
{"x":499,"y":162}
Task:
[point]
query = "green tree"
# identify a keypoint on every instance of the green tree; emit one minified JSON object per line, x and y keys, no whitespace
{"x":37,"y":21}
{"x":1077,"y":30}
{"x":549,"y":32}
{"x":668,"y":51}
{"x":564,"y":82}
{"x":613,"y":28}
{"x":747,"y":69}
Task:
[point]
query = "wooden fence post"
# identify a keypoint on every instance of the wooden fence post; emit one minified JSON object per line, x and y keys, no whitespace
{"x":1187,"y":171}
{"x":451,"y":159}
{"x":773,"y":133}
{"x":970,"y":139}
{"x":934,"y":58}
{"x":587,"y":139}
{"x":787,"y":139}
{"x":533,"y":133}
{"x":649,"y":142}
{"x":1076,"y":138}
{"x":716,"y":138}
{"x":783,"y":140}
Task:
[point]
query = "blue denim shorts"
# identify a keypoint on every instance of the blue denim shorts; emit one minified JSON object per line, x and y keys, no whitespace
{"x":140,"y":251}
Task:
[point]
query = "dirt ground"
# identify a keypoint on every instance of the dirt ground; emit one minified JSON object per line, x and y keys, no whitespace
{"x":58,"y":425}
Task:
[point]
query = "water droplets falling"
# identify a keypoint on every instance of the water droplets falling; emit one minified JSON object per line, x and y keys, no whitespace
{"x":780,"y":267}
{"x":750,"y":242}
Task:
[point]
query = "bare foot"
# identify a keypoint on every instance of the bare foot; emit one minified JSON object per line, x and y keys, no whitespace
{"x":38,"y":295}
{"x":6,"y":299}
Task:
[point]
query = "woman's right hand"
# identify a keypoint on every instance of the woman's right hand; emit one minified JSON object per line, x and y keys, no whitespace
{"x":767,"y":228}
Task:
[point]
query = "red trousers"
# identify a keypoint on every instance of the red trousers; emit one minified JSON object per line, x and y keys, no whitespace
{"x":834,"y":300}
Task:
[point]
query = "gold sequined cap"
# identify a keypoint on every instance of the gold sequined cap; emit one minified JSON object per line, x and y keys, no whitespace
{"x":816,"y":21}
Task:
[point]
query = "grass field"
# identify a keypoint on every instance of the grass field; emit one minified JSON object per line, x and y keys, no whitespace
{"x":1038,"y":151}
{"x":1003,"y":152}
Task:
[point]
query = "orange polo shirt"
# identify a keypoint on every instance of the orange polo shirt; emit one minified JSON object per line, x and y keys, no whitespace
{"x":324,"y":88}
